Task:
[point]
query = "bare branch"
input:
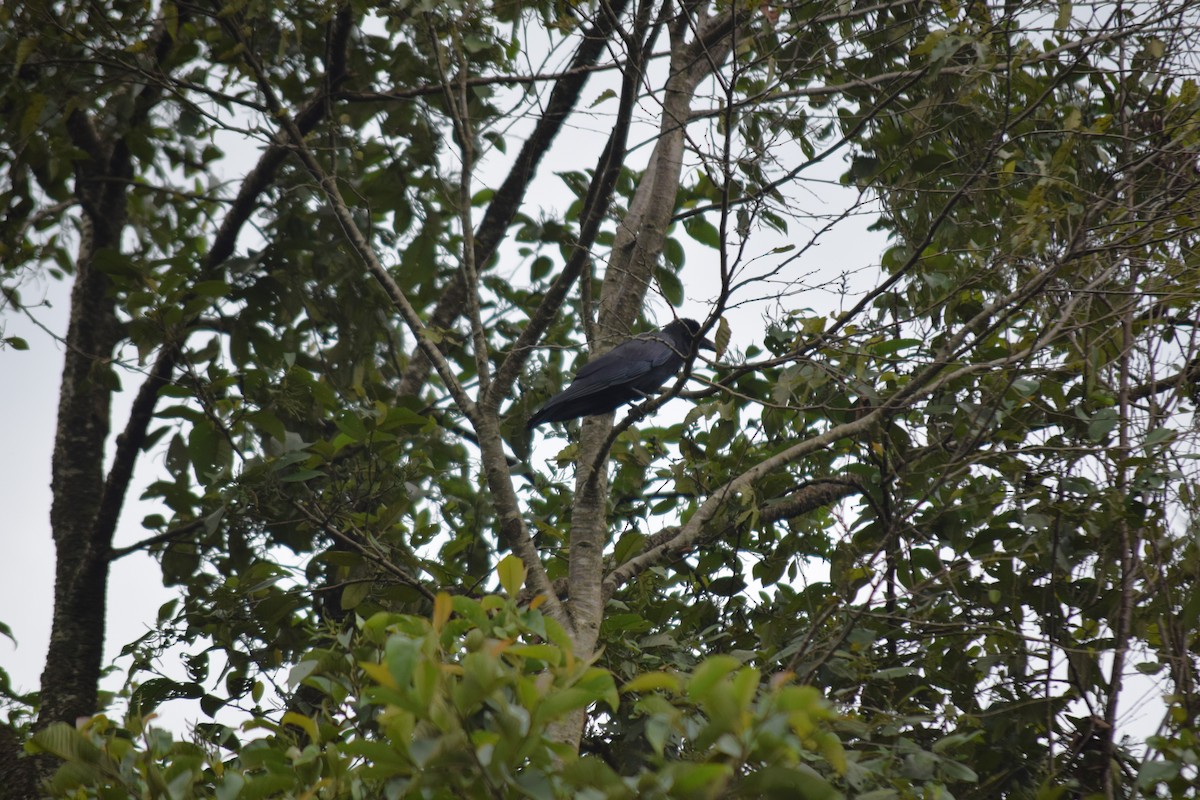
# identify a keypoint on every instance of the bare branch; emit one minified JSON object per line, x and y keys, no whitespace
{"x":455,"y":96}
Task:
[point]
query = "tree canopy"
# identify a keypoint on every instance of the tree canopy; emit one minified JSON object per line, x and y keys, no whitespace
{"x":924,"y":526}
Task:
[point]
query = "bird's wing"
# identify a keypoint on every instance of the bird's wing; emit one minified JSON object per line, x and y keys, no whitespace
{"x":619,"y":376}
{"x":625,"y":363}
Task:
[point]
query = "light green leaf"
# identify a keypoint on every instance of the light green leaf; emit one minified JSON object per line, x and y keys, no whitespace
{"x":511,"y":571}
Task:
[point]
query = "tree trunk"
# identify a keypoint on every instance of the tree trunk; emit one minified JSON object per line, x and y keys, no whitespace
{"x":73,"y":663}
{"x":637,"y":247}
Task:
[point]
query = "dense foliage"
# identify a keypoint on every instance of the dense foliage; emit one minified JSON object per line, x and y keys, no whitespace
{"x":931,"y":532}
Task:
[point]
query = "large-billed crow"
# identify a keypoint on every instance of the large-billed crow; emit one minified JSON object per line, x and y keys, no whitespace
{"x":628,"y":372}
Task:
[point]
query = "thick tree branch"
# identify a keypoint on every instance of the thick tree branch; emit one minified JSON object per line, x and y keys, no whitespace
{"x":507,"y":201}
{"x":595,"y":209}
{"x":83,"y":511}
{"x":803,"y":499}
{"x":699,"y":526}
{"x":129,"y":445}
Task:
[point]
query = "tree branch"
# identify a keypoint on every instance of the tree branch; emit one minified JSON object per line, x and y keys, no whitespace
{"x":486,"y":425}
{"x":263,"y":174}
{"x":129,"y":444}
{"x":595,"y":209}
{"x":456,"y":104}
{"x":801,"y":500}
{"x":505,"y":203}
{"x":635,"y":252}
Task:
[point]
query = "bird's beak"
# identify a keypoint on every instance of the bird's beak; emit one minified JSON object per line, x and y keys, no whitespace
{"x":706,"y":344}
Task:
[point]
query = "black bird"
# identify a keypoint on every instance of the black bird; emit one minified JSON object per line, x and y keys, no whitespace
{"x":630,"y":371}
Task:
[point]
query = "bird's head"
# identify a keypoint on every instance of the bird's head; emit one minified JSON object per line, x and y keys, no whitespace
{"x":689,"y":331}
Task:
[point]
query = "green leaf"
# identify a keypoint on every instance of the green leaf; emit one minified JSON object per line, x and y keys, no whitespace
{"x":607,"y":94}
{"x":230,"y":786}
{"x":562,"y":702}
{"x":301,"y":671}
{"x":800,"y":782}
{"x":652,"y":681}
{"x":543,"y":652}
{"x":268,"y":784}
{"x":890,"y":347}
{"x":511,"y":571}
{"x":66,"y":742}
{"x":302,"y":475}
{"x":674,"y":254}
{"x":705,"y":676}
{"x":703,"y":779}
{"x":1103,"y":423}
{"x":1157,"y":771}
{"x":32,"y":118}
{"x":703,"y":231}
{"x":957,"y":771}
{"x":307,"y":724}
{"x":156,"y":691}
{"x":727,"y":585}
{"x":25,"y":48}
{"x":352,"y":425}
{"x":204,"y":448}
{"x":211,"y":288}
{"x":1063,"y":20}
{"x":558,"y":634}
{"x":1159,"y":436}
{"x":670,"y":286}
{"x":540,"y":268}
{"x":354,"y":593}
{"x":211,"y":704}
{"x":443,"y":607}
{"x":722,"y":337}
{"x":601,"y":682}
{"x":401,"y":655}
